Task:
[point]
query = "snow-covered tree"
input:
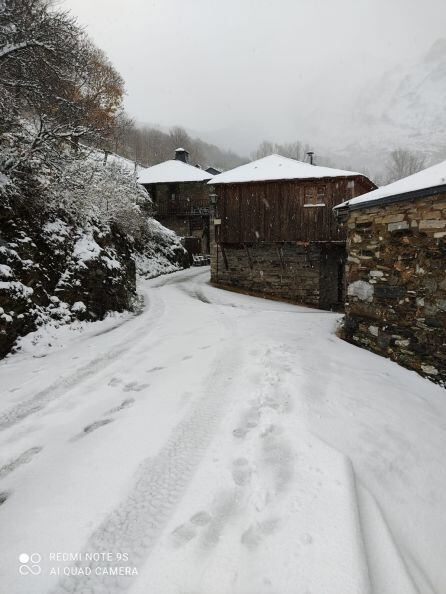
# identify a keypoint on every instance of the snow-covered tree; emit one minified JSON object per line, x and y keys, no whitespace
{"x":55,"y":85}
{"x":90,"y":190}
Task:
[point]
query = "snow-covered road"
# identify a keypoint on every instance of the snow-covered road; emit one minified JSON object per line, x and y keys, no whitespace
{"x":218,"y":444}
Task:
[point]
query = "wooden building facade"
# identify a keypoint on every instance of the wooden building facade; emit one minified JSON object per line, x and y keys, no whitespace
{"x":274,"y":231}
{"x":181,"y":200}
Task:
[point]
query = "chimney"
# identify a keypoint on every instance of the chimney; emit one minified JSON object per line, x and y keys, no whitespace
{"x":311,"y":155}
{"x":181,"y":154}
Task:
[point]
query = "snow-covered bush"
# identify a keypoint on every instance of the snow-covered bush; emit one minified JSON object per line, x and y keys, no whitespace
{"x":69,"y":241}
{"x":109,"y":193}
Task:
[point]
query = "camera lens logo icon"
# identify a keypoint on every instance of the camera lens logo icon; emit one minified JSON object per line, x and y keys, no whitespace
{"x":29,"y":564}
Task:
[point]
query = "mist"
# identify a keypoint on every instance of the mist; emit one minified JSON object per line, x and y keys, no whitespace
{"x":236,"y":73}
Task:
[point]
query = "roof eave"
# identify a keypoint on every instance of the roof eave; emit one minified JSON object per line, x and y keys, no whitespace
{"x":385,"y":200}
{"x":176,"y":181}
{"x":289,"y":179}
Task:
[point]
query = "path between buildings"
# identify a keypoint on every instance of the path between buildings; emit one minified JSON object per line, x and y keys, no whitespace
{"x":220,"y":444}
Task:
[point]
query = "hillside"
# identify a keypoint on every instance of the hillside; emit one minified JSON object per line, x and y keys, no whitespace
{"x":72,"y":224}
{"x":150,"y":144}
{"x":404,"y":108}
{"x":73,"y":251}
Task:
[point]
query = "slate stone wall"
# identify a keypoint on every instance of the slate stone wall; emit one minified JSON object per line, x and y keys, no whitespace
{"x":396,"y":283}
{"x":302,"y":273}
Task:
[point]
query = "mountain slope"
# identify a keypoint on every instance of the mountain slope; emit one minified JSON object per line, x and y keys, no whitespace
{"x":404,"y":108}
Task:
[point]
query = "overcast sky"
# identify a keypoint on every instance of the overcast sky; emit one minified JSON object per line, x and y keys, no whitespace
{"x":253,"y":68}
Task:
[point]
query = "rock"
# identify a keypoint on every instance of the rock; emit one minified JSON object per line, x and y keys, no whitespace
{"x":429,"y":369}
{"x":398,"y":226}
{"x":389,"y":291}
{"x":432,"y":224}
{"x":362,"y":290}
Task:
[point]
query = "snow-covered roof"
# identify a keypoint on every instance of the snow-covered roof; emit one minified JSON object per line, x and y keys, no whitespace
{"x":431,"y":177}
{"x":277,"y":167}
{"x":172,"y":171}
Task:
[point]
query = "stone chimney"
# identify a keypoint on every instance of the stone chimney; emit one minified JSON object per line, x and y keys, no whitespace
{"x":181,"y":154}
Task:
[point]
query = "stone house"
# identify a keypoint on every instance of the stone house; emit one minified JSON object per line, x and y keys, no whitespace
{"x":181,"y":199}
{"x":274,"y":232}
{"x":396,"y":276}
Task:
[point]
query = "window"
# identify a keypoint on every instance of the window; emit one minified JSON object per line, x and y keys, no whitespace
{"x":309,"y":196}
{"x":321,"y":192}
{"x":315,"y":196}
{"x":173,"y":191}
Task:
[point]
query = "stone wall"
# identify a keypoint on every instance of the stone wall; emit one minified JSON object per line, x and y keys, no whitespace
{"x":396,"y":297}
{"x":297,"y":272}
{"x":54,"y":270}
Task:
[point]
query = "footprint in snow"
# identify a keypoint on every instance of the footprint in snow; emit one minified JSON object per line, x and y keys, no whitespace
{"x":188,"y":531}
{"x":96,"y":425}
{"x":115,"y":381}
{"x":182,"y":534}
{"x":241,"y":472}
{"x":256,"y":533}
{"x":278,"y":458}
{"x":4,"y":496}
{"x":186,"y":358}
{"x":135,"y":387}
{"x":239,"y":432}
{"x":124,"y":404}
{"x":206,"y":346}
{"x":90,"y":428}
{"x":250,"y":420}
{"x":201,"y":518}
{"x":154,"y":369}
{"x":23,"y":458}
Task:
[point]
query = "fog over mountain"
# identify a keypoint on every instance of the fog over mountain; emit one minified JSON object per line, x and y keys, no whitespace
{"x":405,"y":107}
{"x":352,"y":78}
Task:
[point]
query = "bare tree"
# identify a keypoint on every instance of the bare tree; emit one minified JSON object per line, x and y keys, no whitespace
{"x":403,"y":163}
{"x":149,"y":146}
{"x":55,"y":85}
{"x":264,"y":149}
{"x":293,"y":150}
{"x":121,"y":132}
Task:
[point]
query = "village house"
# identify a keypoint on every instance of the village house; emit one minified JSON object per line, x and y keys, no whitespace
{"x":181,"y":199}
{"x":274,"y":232}
{"x":396,"y":301}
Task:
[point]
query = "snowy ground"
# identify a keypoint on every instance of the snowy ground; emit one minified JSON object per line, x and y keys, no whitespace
{"x":218,"y":444}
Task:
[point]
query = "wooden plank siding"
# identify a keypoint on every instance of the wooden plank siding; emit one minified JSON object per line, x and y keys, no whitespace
{"x":275,"y":211}
{"x":180,"y":198}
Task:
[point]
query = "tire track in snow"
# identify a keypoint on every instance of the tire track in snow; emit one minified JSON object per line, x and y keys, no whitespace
{"x":135,"y":525}
{"x":61,"y":386}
